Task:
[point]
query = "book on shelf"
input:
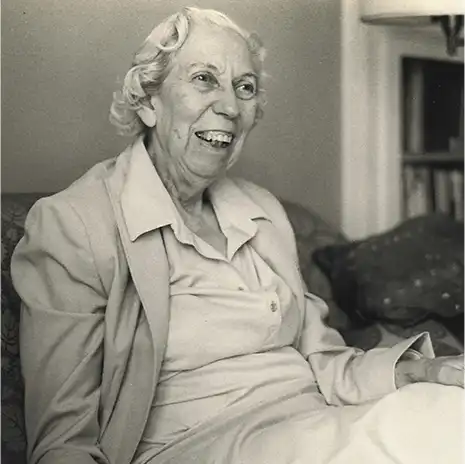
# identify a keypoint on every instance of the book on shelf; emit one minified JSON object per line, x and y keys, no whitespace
{"x":442,"y":191}
{"x":414,"y":108}
{"x":418,"y":197}
{"x":456,"y":178}
{"x":456,"y":147}
{"x":448,"y":192}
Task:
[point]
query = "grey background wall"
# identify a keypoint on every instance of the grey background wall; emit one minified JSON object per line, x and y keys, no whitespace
{"x":61,"y":61}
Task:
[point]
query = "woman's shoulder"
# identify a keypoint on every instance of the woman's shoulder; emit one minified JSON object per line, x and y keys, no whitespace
{"x":79,"y":217}
{"x":255,"y":191}
{"x":85,"y":195}
{"x":83,"y":206}
{"x":263,"y":197}
{"x":88,"y":195}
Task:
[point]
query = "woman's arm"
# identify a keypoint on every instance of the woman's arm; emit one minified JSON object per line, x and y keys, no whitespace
{"x":61,"y":335}
{"x":349,"y":375}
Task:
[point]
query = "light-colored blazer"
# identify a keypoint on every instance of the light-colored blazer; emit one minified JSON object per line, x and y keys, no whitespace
{"x":95,"y":318}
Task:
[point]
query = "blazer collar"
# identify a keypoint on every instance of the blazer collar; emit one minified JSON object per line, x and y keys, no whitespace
{"x":145,"y":202}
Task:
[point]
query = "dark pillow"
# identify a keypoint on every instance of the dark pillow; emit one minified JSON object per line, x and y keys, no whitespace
{"x":402,"y":275}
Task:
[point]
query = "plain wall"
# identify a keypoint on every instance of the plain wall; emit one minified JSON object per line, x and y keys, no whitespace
{"x":61,"y":61}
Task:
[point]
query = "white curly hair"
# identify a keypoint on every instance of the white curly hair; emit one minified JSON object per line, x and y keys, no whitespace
{"x":151,"y":64}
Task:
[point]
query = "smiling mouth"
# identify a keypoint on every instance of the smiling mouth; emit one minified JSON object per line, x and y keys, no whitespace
{"x":217,"y":139}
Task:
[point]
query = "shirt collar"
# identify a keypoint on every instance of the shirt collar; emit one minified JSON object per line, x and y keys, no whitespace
{"x":147,"y":205}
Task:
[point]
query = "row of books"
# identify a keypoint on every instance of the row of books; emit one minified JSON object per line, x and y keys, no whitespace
{"x":428,"y":189}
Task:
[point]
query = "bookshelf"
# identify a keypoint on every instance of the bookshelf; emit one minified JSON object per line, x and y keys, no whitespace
{"x":432,"y":137}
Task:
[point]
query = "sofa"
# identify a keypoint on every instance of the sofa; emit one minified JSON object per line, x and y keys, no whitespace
{"x":327,"y":263}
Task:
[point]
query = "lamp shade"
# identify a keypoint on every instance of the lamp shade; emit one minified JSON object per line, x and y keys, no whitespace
{"x":408,"y":11}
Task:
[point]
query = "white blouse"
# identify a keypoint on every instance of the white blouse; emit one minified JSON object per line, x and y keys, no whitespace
{"x":232,"y":325}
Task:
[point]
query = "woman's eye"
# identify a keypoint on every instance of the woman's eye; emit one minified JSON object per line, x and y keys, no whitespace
{"x":246,"y":90}
{"x":205,"y":79}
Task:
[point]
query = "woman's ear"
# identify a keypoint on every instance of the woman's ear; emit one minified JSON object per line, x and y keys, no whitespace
{"x":147,"y":114}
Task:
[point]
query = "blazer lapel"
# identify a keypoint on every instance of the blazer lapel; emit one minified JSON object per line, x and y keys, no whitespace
{"x":148,"y":264}
{"x":149,"y":270}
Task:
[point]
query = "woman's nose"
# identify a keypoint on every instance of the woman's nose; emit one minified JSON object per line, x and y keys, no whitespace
{"x":226,"y":104}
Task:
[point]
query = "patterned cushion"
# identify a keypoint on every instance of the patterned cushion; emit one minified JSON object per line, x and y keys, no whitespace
{"x":14,"y":210}
{"x":401,"y":276}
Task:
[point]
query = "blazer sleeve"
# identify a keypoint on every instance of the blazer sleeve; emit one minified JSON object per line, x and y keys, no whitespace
{"x":61,"y":335}
{"x":348,"y":375}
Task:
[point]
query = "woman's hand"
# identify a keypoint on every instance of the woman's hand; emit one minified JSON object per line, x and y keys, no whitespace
{"x":445,"y":370}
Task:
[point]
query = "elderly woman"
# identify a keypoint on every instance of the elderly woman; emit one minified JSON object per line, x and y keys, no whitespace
{"x":164,"y":316}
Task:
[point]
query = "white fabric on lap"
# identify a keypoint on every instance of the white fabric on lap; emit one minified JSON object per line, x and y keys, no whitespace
{"x":420,"y":423}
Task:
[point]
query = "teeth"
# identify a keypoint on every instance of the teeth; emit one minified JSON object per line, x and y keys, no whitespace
{"x":216,"y":136}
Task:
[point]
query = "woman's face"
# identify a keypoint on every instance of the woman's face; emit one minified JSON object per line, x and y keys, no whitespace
{"x":207,"y":105}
